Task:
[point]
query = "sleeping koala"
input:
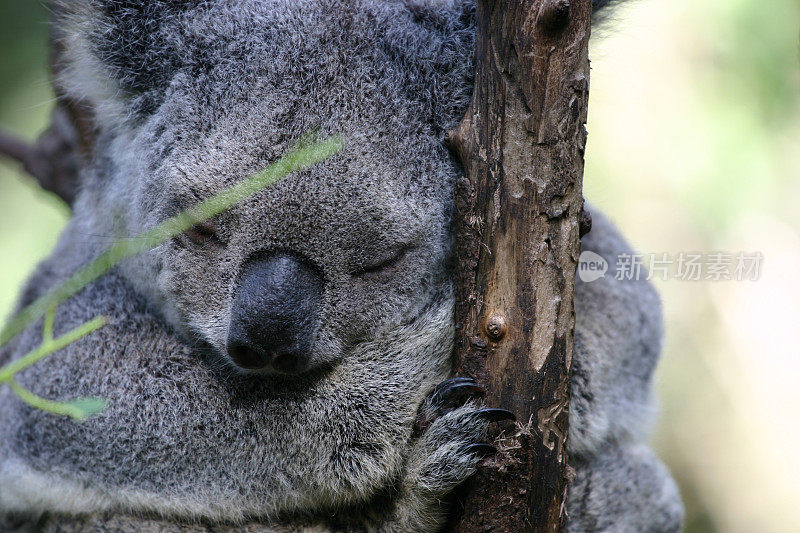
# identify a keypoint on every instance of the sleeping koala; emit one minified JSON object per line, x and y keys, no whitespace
{"x":265,"y":369}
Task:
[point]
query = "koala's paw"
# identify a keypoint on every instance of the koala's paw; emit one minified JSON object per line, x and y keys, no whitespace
{"x":451,"y":433}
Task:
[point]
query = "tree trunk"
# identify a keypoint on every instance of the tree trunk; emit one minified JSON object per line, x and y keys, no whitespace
{"x":519,"y":217}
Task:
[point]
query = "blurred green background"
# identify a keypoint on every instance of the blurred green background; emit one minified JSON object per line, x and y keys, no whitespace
{"x":694,"y":146}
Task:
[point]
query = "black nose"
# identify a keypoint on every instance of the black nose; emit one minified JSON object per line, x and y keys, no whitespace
{"x":275,"y":312}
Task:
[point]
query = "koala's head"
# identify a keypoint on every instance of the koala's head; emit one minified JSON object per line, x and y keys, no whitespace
{"x":191,"y":97}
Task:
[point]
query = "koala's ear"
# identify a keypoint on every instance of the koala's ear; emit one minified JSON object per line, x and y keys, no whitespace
{"x":113,"y":56}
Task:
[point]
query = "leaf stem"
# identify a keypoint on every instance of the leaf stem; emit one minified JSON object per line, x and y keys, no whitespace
{"x":71,"y":409}
{"x":47,"y":328}
{"x":301,"y":156}
{"x":8,"y":371}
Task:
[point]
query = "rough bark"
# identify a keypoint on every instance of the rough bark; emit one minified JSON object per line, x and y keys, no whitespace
{"x":519,"y":217}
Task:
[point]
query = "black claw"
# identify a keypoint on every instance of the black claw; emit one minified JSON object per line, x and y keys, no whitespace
{"x":495,"y":415}
{"x":455,"y":392}
{"x":444,"y":385}
{"x":480,"y":449}
{"x":463,"y":389}
{"x":457,"y":379}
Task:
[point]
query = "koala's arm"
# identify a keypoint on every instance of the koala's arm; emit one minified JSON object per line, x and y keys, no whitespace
{"x":620,"y":484}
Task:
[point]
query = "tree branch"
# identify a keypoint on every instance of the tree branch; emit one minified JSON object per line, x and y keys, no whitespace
{"x":15,"y":148}
{"x":518,"y":214}
{"x":54,"y":159}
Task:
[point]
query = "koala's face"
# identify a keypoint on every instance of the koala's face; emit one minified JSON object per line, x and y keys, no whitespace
{"x":295,"y":276}
{"x":291,"y":279}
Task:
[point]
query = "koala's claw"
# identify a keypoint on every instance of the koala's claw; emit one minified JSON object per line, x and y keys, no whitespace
{"x":449,"y":448}
{"x":454,"y":392}
{"x":495,"y":415}
{"x":448,"y":395}
{"x":479,"y":449}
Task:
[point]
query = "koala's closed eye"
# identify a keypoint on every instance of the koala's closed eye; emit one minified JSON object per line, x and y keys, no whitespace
{"x":202,"y":234}
{"x":384,"y":264}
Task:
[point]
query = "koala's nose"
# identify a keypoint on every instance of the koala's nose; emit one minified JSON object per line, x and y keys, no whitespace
{"x":275,"y":311}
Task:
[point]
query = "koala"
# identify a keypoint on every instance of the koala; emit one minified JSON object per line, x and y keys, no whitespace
{"x":267,"y":369}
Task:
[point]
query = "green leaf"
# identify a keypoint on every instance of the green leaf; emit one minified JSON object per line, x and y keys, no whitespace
{"x":300,"y":157}
{"x":83,"y":408}
{"x":79,"y":409}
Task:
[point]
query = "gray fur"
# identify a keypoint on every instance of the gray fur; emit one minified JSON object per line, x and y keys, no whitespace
{"x":620,"y":319}
{"x":193,"y":97}
{"x":623,"y":488}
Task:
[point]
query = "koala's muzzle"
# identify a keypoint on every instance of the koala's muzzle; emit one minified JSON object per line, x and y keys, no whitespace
{"x":275,"y":312}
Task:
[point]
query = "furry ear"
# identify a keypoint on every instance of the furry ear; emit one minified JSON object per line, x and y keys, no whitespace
{"x":80,"y":80}
{"x":114,"y":56}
